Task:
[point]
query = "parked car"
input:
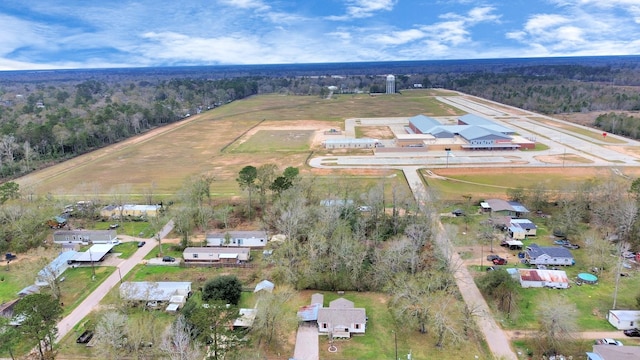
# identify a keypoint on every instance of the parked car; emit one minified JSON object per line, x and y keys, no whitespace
{"x":490,"y":257}
{"x":114,"y":226}
{"x":632,"y":332}
{"x":85,"y":337}
{"x":141,"y":243}
{"x":608,"y":341}
{"x":571,"y":246}
{"x":458,"y":212}
{"x":499,"y":261}
{"x":168,"y":259}
{"x":562,"y":242}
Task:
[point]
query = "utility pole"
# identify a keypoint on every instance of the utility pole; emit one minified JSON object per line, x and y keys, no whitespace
{"x":448,"y":150}
{"x":618,"y":270}
{"x":395,"y":339}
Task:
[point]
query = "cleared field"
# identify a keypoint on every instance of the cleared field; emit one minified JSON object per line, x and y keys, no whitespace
{"x":163,"y":158}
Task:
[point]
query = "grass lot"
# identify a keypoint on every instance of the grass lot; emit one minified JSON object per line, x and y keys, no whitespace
{"x":79,"y":283}
{"x":275,"y":141}
{"x":126,"y":249}
{"x":132,"y":228}
{"x":488,"y":182}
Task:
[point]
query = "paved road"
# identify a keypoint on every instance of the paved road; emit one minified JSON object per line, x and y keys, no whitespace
{"x":66,"y":324}
{"x":496,"y":338}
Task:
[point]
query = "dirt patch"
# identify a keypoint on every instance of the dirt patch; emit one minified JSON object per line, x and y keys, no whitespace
{"x":376,"y":132}
{"x":476,"y":255}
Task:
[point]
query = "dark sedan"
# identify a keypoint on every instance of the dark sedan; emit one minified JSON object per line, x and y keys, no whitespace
{"x":632,"y":332}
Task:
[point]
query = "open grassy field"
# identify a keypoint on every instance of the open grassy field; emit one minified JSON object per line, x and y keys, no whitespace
{"x":163,"y":158}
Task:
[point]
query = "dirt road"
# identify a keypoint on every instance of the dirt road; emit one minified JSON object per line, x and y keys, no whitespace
{"x":496,"y":338}
{"x":67,"y":324}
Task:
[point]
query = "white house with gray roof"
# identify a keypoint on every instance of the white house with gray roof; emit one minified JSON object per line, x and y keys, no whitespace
{"x":342,"y":319}
{"x":548,"y":255}
{"x":237,"y":238}
{"x":85,"y":237}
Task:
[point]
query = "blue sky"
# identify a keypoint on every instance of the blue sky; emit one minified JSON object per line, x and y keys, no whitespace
{"x":45,"y":34}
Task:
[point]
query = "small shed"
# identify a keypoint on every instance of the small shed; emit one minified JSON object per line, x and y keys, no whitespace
{"x":246,"y":318}
{"x":624,"y":319}
{"x":264,"y":285}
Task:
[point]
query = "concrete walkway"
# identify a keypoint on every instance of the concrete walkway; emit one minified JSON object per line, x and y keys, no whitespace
{"x":67,"y":324}
{"x":306,"y":343}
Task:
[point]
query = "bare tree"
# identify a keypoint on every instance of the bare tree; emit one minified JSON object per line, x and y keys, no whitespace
{"x":177,"y":341}
{"x":51,"y":276}
{"x":111,"y":335}
{"x":273,"y":321}
{"x":556,"y":321}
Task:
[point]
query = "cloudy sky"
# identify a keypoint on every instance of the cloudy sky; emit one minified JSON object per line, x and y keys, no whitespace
{"x":44,"y":34}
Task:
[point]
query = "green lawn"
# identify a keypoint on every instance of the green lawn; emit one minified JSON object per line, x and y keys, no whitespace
{"x":132,"y":228}
{"x":275,"y":141}
{"x":379,"y":340}
{"x":79,"y":283}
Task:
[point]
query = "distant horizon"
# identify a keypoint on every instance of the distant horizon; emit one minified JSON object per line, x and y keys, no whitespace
{"x":515,"y":60}
{"x":73,"y":34}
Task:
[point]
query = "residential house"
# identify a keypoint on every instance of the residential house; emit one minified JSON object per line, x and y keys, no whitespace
{"x":524,"y":226}
{"x":341,"y":319}
{"x":55,"y":268}
{"x":237,"y":238}
{"x":556,"y":279}
{"x":552,"y":255}
{"x":506,"y":208}
{"x":85,"y":237}
{"x":154,"y":293}
{"x":624,"y":319}
{"x":225,"y":255}
{"x":608,"y":352}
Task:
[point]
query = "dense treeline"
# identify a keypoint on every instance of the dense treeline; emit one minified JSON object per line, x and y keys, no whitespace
{"x":552,"y":89}
{"x":619,"y":124}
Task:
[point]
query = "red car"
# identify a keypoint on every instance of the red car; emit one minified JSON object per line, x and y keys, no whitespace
{"x":499,"y":261}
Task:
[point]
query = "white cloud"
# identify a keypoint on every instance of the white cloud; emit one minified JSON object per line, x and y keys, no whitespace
{"x":246,"y":4}
{"x":357,"y":9}
{"x":399,"y":37}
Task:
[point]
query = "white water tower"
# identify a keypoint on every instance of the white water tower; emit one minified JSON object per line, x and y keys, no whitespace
{"x":391,"y":84}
